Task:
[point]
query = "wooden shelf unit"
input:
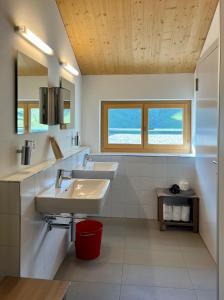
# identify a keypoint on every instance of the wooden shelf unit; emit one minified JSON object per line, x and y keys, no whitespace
{"x":183,"y":198}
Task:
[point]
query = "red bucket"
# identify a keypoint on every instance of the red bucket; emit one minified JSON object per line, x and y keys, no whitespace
{"x":88,"y":239}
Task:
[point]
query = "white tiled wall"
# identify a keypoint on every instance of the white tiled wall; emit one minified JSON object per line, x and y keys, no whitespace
{"x":27,"y":248}
{"x":9,"y":228}
{"x":42,"y":251}
{"x":132,"y":193}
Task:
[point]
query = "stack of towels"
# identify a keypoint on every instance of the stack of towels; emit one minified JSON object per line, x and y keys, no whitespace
{"x":176,"y":213}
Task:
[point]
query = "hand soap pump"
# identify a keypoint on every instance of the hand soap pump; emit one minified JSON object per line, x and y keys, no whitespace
{"x":26,"y":152}
{"x":77,"y":139}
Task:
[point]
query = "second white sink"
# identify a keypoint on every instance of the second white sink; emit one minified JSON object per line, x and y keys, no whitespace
{"x":97,"y":170}
{"x":75,"y":196}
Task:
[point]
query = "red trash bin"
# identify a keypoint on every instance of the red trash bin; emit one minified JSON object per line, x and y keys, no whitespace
{"x":88,"y":239}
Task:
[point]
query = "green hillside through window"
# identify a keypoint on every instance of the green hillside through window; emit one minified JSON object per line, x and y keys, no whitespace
{"x":160,"y":118}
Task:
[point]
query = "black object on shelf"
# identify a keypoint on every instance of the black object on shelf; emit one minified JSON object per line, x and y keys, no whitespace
{"x":174,"y":189}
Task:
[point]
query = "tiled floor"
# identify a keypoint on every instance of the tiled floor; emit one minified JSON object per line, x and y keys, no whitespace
{"x":138,"y":262}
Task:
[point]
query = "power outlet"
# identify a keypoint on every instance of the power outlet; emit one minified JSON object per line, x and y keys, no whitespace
{"x":73,"y":140}
{"x":34,"y":144}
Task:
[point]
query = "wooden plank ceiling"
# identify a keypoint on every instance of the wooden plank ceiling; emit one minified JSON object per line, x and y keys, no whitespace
{"x":137,"y":36}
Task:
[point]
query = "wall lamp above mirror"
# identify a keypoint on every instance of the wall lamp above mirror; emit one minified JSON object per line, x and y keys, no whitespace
{"x":69,"y":68}
{"x":34,"y":39}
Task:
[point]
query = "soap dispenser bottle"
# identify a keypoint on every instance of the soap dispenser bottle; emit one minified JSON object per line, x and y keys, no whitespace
{"x":77,"y":139}
{"x":26,"y":152}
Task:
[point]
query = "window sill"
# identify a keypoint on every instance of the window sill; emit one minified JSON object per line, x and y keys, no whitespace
{"x":145,"y":154}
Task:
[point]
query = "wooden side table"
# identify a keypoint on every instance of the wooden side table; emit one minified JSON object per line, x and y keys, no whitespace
{"x":183,"y":198}
{"x":15,"y":288}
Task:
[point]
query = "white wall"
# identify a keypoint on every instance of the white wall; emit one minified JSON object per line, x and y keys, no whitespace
{"x":214,"y":31}
{"x":128,"y":87}
{"x":132,"y":193}
{"x":221,"y":158}
{"x":27,"y":247}
{"x":44,"y":19}
{"x":41,"y":251}
{"x":206,"y":135}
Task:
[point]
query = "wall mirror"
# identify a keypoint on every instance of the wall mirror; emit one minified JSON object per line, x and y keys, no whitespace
{"x":30,"y":76}
{"x":68,"y":114}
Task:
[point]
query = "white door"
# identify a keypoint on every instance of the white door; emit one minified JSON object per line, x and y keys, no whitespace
{"x":206,"y":146}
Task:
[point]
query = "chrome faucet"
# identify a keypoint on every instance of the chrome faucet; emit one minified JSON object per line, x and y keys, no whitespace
{"x":60,"y":176}
{"x":85,"y":159}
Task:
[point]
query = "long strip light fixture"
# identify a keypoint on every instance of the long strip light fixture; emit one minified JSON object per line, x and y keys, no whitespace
{"x":37,"y":42}
{"x":69,"y":68}
{"x":33,"y":39}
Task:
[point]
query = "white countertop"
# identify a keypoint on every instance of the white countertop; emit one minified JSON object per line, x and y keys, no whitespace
{"x":143,"y":154}
{"x":32,"y":170}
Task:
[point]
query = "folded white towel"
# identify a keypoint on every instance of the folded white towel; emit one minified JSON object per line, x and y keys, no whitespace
{"x":185,"y":213}
{"x":176,"y":213}
{"x":184,"y":185}
{"x":167,"y":212}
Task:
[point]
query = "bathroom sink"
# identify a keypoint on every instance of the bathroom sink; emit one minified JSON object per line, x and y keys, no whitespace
{"x":75,"y":196}
{"x":107,"y":170}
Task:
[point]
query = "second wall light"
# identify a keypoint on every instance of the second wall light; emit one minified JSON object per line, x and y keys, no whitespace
{"x":37,"y":42}
{"x":69,"y":68}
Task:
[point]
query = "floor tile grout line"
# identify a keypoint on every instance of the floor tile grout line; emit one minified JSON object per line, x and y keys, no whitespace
{"x":165,"y":287}
{"x":144,"y":265}
{"x":121,"y":285}
{"x":122,"y":272}
{"x":188,"y":272}
{"x":184,"y":260}
{"x":139,"y":285}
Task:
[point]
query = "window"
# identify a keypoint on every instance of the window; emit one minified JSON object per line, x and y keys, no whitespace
{"x":67,"y":112}
{"x":34,"y":118}
{"x":28,"y":117}
{"x":21,"y":118}
{"x":146,"y":126}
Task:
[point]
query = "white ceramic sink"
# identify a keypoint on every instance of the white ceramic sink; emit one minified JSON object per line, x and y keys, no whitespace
{"x":107,"y":170}
{"x":75,"y":196}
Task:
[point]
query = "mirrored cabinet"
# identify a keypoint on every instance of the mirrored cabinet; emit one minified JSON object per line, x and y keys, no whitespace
{"x":30,"y":77}
{"x":68,"y":114}
{"x":37,"y":105}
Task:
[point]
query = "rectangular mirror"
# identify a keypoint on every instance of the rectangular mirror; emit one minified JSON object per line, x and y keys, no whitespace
{"x":30,"y":76}
{"x":69,"y":104}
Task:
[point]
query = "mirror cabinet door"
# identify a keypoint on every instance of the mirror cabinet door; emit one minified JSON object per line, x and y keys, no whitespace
{"x":68,"y":114}
{"x":30,"y":76}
